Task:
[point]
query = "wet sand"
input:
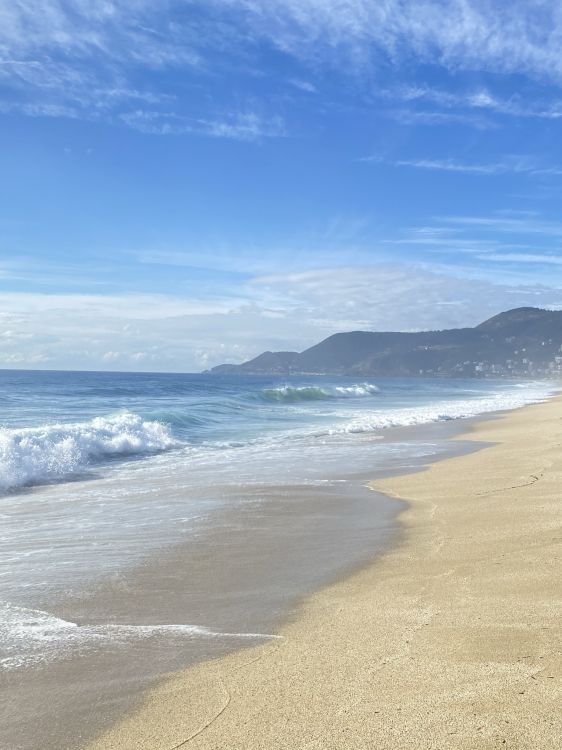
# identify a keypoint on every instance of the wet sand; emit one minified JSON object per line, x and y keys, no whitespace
{"x":451,"y":639}
{"x":242,"y":576}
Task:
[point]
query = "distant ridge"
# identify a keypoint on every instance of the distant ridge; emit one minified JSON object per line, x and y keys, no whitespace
{"x":526,"y":341}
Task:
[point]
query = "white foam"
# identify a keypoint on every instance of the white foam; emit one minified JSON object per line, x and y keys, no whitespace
{"x":451,"y":409}
{"x":32,"y":637}
{"x":58,"y":451}
{"x":363,"y":389}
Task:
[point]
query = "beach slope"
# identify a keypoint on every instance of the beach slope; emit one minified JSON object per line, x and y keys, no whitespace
{"x":452,"y":639}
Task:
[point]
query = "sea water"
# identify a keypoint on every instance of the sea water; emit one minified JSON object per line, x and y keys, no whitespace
{"x":100,"y":472}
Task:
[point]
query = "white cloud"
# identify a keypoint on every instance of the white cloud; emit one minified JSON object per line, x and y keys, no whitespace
{"x":15,"y":336}
{"x":22,"y":359}
{"x":307,"y":86}
{"x":111,"y":356}
{"x":123,"y":306}
{"x":274,"y":311}
{"x":397,"y":297}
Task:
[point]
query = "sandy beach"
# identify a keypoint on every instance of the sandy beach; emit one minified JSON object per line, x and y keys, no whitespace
{"x":452,"y":639}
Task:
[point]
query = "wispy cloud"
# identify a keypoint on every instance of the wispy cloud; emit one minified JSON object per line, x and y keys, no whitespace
{"x":84,"y":59}
{"x":39,"y":110}
{"x":535,"y":258}
{"x":512,"y":224}
{"x":424,"y":117}
{"x":517,"y":245}
{"x":83,"y":52}
{"x":241,"y":126}
{"x":78,"y":60}
{"x":481,"y":100}
{"x":450,"y":165}
{"x":307,"y":86}
{"x":510,"y":165}
{"x":470,"y":34}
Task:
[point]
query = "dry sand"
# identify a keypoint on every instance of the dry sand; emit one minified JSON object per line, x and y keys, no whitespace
{"x":450,"y":640}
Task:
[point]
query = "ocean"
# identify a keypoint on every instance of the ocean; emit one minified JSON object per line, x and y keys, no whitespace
{"x":148,"y":520}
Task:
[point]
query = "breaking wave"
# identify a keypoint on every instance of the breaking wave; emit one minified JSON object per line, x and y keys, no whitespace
{"x":35,"y":455}
{"x":362,"y":389}
{"x":291,"y":394}
{"x":32,"y":637}
{"x":445,"y":411}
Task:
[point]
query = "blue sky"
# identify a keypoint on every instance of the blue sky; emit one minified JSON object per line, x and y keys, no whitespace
{"x":185,"y":183}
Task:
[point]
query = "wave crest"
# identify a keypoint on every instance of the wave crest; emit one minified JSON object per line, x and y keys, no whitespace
{"x":35,"y":455}
{"x":362,"y":389}
{"x":290,"y":394}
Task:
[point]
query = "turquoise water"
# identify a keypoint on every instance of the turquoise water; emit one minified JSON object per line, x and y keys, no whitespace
{"x":100,"y":471}
{"x":59,"y":425}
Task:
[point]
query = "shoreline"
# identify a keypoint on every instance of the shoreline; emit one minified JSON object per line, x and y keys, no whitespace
{"x":268,"y":558}
{"x":417,"y":648}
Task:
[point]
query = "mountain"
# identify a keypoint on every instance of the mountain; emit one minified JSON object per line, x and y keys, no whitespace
{"x":526,"y":341}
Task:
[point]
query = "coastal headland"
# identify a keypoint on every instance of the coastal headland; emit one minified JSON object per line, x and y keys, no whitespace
{"x":451,"y":639}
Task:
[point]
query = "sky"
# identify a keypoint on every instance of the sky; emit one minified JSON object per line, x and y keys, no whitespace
{"x":190,"y":182}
